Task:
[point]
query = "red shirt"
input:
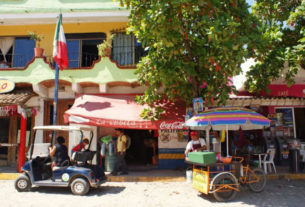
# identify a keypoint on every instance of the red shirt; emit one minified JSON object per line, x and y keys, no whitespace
{"x":78,"y":147}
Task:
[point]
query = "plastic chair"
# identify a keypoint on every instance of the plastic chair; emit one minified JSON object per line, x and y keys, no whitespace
{"x":268,"y":160}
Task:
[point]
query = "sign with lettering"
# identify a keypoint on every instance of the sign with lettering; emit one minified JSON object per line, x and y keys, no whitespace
{"x":201,"y":181}
{"x":171,"y":125}
{"x":8,"y":110}
{"x":6,"y":86}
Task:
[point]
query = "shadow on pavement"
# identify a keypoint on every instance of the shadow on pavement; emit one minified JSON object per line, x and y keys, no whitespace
{"x":102,"y":190}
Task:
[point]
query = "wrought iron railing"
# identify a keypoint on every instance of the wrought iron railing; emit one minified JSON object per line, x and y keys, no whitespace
{"x":127,"y":55}
{"x":124,"y":56}
{"x":15,"y":60}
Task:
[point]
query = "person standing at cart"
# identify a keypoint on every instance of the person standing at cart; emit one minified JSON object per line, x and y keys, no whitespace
{"x":121,"y":151}
{"x":196,"y":144}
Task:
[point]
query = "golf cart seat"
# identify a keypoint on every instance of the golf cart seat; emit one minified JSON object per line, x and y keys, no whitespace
{"x":82,"y":158}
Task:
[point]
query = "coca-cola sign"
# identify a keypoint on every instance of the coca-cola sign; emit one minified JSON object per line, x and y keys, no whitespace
{"x":171,"y":125}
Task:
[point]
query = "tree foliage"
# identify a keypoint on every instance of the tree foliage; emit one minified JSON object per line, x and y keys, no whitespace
{"x":283,"y":34}
{"x":194,"y":46}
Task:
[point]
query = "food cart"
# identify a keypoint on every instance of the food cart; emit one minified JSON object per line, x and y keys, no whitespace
{"x":223,"y":179}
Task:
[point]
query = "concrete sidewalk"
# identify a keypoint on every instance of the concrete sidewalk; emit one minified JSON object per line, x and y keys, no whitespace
{"x":158,"y":175}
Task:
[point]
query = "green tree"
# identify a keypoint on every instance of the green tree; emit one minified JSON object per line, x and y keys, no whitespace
{"x":194,"y":46}
{"x":283,"y":34}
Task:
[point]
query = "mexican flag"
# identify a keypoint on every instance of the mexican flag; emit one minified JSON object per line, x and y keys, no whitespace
{"x":60,"y":53}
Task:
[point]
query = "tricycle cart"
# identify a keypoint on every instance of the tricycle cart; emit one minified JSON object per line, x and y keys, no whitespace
{"x":224,"y":180}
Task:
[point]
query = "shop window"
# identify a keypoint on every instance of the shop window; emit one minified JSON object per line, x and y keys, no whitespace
{"x":82,"y":48}
{"x":126,"y":50}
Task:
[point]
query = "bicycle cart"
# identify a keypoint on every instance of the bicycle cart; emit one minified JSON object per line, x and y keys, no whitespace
{"x":224,"y":180}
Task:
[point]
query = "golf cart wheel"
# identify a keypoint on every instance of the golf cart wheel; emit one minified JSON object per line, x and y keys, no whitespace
{"x":224,"y":194}
{"x":259,"y":176}
{"x":22,"y":183}
{"x":80,"y":186}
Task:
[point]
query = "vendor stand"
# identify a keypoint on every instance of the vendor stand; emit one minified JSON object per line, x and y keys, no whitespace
{"x":223,"y":179}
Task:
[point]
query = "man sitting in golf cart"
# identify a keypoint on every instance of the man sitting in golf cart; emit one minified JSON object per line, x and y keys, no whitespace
{"x":59,"y":153}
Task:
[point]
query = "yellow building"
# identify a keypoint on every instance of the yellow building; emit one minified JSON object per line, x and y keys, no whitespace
{"x":86,"y":24}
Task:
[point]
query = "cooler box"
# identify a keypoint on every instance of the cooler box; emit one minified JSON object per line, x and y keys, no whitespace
{"x":202,"y":157}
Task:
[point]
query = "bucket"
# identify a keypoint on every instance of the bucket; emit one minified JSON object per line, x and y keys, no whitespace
{"x":189,"y":176}
{"x":110,"y":162}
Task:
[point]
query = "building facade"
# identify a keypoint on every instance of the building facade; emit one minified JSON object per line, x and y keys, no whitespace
{"x":86,"y":24}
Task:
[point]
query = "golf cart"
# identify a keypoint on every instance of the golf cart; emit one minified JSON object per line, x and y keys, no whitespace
{"x":79,"y":175}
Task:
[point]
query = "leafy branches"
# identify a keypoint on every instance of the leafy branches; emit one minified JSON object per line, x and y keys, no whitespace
{"x":194,"y":47}
{"x":283,"y":42}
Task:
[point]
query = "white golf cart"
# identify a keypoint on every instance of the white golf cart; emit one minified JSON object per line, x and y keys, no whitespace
{"x":79,"y":176}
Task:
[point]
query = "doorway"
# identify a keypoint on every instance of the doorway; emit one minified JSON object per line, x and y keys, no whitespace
{"x":143,"y":148}
{"x":4,"y":139}
{"x":299,"y":114}
{"x":62,"y":106}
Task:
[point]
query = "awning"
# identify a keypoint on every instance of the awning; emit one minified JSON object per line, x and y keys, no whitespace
{"x":18,"y":97}
{"x":121,"y":111}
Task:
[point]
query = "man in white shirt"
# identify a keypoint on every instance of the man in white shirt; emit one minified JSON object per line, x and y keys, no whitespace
{"x":196,"y":144}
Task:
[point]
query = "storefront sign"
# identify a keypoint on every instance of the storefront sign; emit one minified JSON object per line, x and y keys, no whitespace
{"x":8,"y":110}
{"x":201,"y":181}
{"x":6,"y":86}
{"x":171,"y":125}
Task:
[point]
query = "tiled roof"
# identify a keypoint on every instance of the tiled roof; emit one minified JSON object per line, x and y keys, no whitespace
{"x":18,"y":96}
{"x":264,"y":101}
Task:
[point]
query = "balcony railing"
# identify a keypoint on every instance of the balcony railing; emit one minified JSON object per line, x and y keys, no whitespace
{"x":15,"y":61}
{"x":124,"y":56}
{"x":127,"y":55}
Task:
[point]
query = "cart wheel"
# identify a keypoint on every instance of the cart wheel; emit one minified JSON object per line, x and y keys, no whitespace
{"x":259,"y":174}
{"x":80,"y":186}
{"x":224,"y":194}
{"x":22,"y":183}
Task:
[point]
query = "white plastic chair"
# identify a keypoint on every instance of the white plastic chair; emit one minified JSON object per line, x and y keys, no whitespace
{"x":268,"y":160}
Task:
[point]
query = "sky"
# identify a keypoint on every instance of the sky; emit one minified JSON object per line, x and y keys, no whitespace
{"x":250,"y":2}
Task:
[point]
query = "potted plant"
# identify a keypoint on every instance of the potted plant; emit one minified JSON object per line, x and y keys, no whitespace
{"x":104,"y":49}
{"x":37,"y":38}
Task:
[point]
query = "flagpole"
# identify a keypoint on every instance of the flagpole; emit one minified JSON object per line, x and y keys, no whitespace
{"x":60,"y":56}
{"x":55,"y":100}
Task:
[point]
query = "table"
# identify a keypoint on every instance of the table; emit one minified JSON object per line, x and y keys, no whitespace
{"x":260,"y":158}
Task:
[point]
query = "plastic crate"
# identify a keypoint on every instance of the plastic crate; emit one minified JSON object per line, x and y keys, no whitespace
{"x":202,"y":157}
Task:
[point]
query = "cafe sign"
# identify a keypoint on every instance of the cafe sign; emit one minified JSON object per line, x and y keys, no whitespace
{"x":6,"y":86}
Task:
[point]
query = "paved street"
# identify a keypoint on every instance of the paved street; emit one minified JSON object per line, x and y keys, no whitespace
{"x":280,"y":193}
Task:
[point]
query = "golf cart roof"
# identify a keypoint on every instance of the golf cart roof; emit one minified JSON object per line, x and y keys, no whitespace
{"x":63,"y":128}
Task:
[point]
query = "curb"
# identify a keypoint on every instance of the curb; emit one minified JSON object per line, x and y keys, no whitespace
{"x":13,"y":176}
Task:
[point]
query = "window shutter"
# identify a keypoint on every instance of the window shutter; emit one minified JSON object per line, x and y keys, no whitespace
{"x":23,"y":52}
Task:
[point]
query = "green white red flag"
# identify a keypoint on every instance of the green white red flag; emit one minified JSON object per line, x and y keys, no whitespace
{"x":60,"y":53}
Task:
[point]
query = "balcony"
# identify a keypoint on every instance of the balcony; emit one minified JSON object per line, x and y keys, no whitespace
{"x":123,"y":55}
{"x":15,"y":60}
